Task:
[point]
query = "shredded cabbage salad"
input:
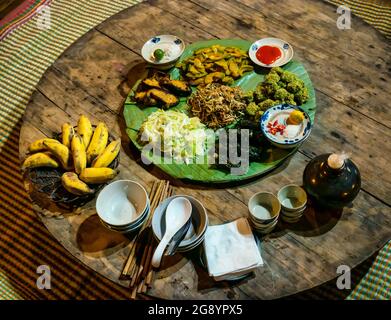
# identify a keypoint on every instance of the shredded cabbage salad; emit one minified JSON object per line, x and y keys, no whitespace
{"x":175,"y":134}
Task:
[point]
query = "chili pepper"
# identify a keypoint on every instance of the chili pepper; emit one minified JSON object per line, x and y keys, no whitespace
{"x":276,"y":127}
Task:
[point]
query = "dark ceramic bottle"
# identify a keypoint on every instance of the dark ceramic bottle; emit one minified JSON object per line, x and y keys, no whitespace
{"x":332,"y":180}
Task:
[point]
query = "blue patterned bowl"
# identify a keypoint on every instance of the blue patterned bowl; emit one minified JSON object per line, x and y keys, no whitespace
{"x":293,"y":135}
{"x":172,"y":46}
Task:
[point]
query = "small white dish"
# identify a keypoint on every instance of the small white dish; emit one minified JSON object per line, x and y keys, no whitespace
{"x":285,"y":49}
{"x":121,"y":203}
{"x":280,"y":113}
{"x":134,"y":225}
{"x":172,"y":47}
{"x":129,"y":229}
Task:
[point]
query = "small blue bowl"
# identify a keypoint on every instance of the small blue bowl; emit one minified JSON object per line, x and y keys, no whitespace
{"x":293,"y":134}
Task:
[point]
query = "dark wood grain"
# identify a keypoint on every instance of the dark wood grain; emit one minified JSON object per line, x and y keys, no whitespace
{"x":94,"y":76}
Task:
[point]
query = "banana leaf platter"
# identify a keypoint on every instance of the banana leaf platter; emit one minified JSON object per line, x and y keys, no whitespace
{"x":272,"y":157}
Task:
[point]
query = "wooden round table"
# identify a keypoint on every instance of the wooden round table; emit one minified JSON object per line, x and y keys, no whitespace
{"x":351,"y":72}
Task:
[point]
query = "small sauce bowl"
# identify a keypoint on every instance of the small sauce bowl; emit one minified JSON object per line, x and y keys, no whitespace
{"x":280,"y":113}
{"x":172,"y":47}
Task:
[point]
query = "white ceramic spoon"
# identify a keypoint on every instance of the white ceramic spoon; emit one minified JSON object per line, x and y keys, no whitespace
{"x":178,"y":212}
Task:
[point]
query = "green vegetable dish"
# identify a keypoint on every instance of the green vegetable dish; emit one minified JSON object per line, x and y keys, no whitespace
{"x":279,"y":86}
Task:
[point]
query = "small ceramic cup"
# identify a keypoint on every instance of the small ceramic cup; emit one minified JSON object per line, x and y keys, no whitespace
{"x":264,"y":209}
{"x":293,"y":201}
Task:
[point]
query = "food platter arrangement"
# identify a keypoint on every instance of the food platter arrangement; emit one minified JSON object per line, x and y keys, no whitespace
{"x":212,"y":87}
{"x":213,"y":111}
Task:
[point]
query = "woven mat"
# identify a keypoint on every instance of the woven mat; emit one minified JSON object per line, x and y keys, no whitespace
{"x":25,"y":243}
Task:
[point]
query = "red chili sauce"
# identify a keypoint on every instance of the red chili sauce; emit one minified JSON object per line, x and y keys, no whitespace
{"x":268,"y":54}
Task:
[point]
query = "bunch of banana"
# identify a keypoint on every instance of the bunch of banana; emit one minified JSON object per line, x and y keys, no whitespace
{"x":97,"y":175}
{"x":78,"y":153}
{"x":98,"y":142}
{"x":67,"y":134}
{"x":73,"y":184}
{"x":84,"y":129}
{"x":39,"y":159}
{"x":75,"y":152}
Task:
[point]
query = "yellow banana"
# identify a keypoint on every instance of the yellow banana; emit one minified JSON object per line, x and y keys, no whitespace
{"x":67,"y":133}
{"x":60,"y":151}
{"x":39,"y":160}
{"x":38,"y":145}
{"x":97,"y":175}
{"x":108,"y":155}
{"x":78,"y":153}
{"x":84,"y":129}
{"x":72,"y":184}
{"x":98,"y":142}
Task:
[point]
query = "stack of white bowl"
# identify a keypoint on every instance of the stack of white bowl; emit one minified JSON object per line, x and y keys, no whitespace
{"x":123,"y":206}
{"x":196,"y":232}
{"x":264,"y":210}
{"x":293,"y":201}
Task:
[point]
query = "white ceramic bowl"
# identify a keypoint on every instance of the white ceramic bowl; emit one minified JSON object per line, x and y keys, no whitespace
{"x":264,"y":230}
{"x":293,"y":213}
{"x":291,"y":219}
{"x":134,"y":225}
{"x":122,"y":203}
{"x":196,"y":232}
{"x":293,"y":198}
{"x":264,"y":207}
{"x":285,"y":48}
{"x":280,"y":113}
{"x":171,"y":45}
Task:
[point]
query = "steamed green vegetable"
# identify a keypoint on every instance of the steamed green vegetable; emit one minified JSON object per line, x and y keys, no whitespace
{"x":279,"y":86}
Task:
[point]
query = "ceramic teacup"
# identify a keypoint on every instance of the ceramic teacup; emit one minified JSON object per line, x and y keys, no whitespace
{"x":293,"y":201}
{"x":292,"y":198}
{"x":264,"y":209}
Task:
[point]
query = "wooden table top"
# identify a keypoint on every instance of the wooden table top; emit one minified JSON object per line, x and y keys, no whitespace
{"x":351,"y":72}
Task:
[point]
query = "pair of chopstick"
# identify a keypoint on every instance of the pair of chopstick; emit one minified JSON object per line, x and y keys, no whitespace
{"x":141,"y":272}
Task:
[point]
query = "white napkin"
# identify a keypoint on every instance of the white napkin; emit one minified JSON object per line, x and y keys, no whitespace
{"x":231,"y":249}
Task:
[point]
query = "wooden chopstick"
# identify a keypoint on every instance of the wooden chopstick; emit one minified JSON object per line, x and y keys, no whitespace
{"x":148,"y":247}
{"x":141,"y":274}
{"x":129,"y":260}
{"x":156,"y":188}
{"x":157,"y":199}
{"x":149,"y":269}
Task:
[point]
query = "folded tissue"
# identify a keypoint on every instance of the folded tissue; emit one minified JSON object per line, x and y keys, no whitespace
{"x":231,"y":250}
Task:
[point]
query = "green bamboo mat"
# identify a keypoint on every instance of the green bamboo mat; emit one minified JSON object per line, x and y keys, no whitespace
{"x":24,"y":241}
